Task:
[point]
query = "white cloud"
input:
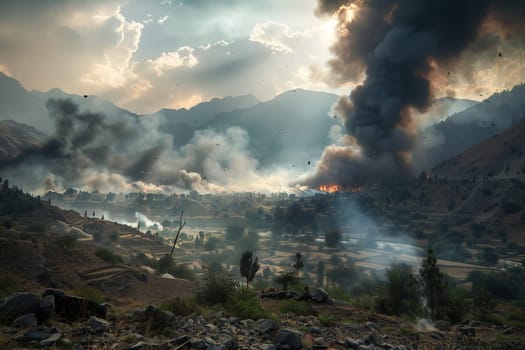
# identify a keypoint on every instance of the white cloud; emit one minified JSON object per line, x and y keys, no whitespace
{"x":183,"y":57}
{"x":275,"y":36}
{"x":162,"y":19}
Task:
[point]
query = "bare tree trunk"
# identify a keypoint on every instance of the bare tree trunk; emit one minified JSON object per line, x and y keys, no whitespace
{"x":181,"y":226}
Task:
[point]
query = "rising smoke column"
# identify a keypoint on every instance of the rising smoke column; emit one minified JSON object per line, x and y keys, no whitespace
{"x":397,"y":45}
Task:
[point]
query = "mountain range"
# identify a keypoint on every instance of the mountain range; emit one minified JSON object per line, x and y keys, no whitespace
{"x":290,"y":130}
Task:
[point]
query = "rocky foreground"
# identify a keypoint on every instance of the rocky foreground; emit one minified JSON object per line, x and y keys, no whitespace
{"x":56,"y":320}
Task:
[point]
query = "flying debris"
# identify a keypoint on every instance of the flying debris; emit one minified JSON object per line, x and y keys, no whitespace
{"x":308,"y":162}
{"x":85,"y":96}
{"x":500,"y":54}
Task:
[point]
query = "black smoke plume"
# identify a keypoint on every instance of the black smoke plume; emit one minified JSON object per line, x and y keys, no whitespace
{"x":397,"y":45}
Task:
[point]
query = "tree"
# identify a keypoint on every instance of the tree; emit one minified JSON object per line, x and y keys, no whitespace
{"x":320,"y":273}
{"x":234,"y":232}
{"x":333,"y":238}
{"x":217,"y":285}
{"x":181,"y":226}
{"x":249,"y":267}
{"x":286,"y":277}
{"x":267,"y":272}
{"x":433,"y":286}
{"x":211,"y":244}
{"x":298,"y":263}
{"x":400,"y":296}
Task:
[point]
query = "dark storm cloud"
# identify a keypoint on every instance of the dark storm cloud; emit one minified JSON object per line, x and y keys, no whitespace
{"x":396,"y":44}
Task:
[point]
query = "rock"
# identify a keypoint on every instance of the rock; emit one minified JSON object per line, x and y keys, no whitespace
{"x":196,"y":343}
{"x":142,"y":345}
{"x":373,"y":339}
{"x":266,"y":326}
{"x":159,"y":319}
{"x":365,"y":347}
{"x":290,"y":337}
{"x":319,"y":343}
{"x":18,"y":305}
{"x":74,"y":308}
{"x":25,"y":321}
{"x":467,"y":331}
{"x":315,"y":330}
{"x":321,"y":295}
{"x":46,"y":309}
{"x":216,"y":347}
{"x":268,"y":347}
{"x":509,"y":330}
{"x":400,"y":347}
{"x":51,"y":340}
{"x":351,"y":343}
{"x":373,"y":326}
{"x":37,"y":333}
{"x":228,"y":342}
{"x":442,"y":325}
{"x":97,"y":325}
{"x":178,"y":341}
{"x":387,"y":346}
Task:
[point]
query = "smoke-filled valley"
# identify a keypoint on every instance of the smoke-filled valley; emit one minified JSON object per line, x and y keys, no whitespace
{"x":326,"y":174}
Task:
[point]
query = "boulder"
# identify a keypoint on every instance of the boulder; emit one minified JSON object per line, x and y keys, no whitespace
{"x":266,"y":326}
{"x":51,"y":340}
{"x":442,"y":325}
{"x":36,"y":333}
{"x":25,"y":321}
{"x":373,"y":326}
{"x":159,"y":319}
{"x":18,"y":305}
{"x":291,"y":338}
{"x":351,"y":343}
{"x":97,"y":325}
{"x":46,"y":308}
{"x":467,"y":331}
{"x":74,"y":308}
{"x":373,"y":339}
{"x":321,"y":296}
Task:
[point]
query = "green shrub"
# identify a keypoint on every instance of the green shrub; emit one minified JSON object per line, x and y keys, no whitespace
{"x":327,"y":320}
{"x":8,"y":285}
{"x":109,"y":256}
{"x":299,"y":308}
{"x":66,"y":241}
{"x":182,"y":306}
{"x":90,"y":293}
{"x":167,"y":265}
{"x":37,"y":228}
{"x":217,"y":285}
{"x":245,"y":305}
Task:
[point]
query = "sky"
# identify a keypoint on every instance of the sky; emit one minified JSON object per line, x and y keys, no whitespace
{"x":145,"y":55}
{"x":389,"y":60}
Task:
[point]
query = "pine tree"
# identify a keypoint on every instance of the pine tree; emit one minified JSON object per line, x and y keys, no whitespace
{"x":320,"y":273}
{"x":298,"y":263}
{"x":249,"y":267}
{"x":433,"y":286}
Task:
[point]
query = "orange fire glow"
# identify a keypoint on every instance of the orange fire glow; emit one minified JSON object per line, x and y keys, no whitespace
{"x":330,"y":188}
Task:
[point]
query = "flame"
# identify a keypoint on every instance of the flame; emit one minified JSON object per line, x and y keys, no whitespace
{"x":338,"y":188}
{"x":330,"y":188}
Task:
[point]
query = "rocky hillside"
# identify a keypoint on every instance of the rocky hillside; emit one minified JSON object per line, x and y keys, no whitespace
{"x":17,"y":137}
{"x":61,"y":321}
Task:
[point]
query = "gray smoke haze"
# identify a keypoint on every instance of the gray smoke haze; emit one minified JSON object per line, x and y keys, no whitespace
{"x":95,"y":151}
{"x":399,"y":45}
